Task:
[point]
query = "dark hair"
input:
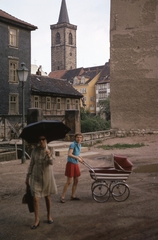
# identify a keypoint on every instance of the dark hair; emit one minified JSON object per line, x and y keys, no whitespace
{"x":42,"y":135}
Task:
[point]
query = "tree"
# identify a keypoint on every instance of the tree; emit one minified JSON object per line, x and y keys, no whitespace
{"x":105,"y":108}
{"x":84,"y":113}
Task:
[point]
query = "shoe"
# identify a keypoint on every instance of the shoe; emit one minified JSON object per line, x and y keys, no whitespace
{"x":35,"y":226}
{"x":62,"y":200}
{"x":50,"y":221}
{"x":75,"y":198}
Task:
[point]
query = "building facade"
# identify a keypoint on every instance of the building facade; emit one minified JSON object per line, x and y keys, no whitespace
{"x":53,"y":96}
{"x":57,"y":99}
{"x":92,"y":82}
{"x":133,"y":64}
{"x":63,"y":42}
{"x":15,"y":48}
{"x":102,"y":88}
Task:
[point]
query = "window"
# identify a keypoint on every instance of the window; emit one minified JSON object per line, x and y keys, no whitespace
{"x":76,"y":104}
{"x":13,"y":37}
{"x":36,"y":101}
{"x":103,"y":95}
{"x":70,"y":39}
{"x":58,"y":103}
{"x":13,"y":66}
{"x":48,"y":103}
{"x":67,"y":103}
{"x":92,"y":107}
{"x":13,"y":104}
{"x":82,"y":79}
{"x":75,"y":80}
{"x":58,"y":38}
{"x":83,"y":90}
{"x":92,"y":99}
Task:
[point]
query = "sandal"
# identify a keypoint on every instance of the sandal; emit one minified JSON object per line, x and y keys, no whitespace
{"x":62,"y":200}
{"x":75,"y":198}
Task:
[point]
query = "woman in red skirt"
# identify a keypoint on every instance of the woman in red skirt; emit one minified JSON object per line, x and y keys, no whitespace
{"x":72,"y":170}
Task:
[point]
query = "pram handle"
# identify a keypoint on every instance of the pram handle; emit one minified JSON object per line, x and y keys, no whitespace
{"x":88,"y":166}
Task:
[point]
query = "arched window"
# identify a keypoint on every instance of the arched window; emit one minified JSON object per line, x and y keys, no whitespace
{"x":70,"y":39}
{"x":58,"y":38}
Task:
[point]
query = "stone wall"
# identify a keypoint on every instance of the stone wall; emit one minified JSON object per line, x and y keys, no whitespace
{"x":134,"y":132}
{"x":63,"y":55}
{"x":133,"y":64}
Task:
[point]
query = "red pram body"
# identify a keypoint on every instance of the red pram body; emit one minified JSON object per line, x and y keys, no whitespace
{"x":111,"y":180}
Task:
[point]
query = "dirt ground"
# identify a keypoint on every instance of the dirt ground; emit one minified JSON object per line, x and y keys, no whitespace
{"x":134,"y":219}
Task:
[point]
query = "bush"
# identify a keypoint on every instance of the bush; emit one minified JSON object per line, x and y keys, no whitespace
{"x":92,"y":124}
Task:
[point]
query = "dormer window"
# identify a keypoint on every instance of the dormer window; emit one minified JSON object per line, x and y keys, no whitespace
{"x":82,"y":79}
{"x":75,"y":81}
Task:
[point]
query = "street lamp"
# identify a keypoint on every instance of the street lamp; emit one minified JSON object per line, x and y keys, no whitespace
{"x":22,"y":75}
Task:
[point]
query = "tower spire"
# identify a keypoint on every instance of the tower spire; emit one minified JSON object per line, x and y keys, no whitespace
{"x":63,"y":16}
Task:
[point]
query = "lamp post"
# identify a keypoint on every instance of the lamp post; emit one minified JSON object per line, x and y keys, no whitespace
{"x":22,"y":75}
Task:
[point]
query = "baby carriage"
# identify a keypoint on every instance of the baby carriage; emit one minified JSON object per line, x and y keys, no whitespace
{"x":111,"y":180}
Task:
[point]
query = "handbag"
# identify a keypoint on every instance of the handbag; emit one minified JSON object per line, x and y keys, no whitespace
{"x":28,"y":199}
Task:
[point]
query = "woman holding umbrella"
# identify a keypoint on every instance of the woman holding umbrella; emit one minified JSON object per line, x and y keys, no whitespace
{"x":41,"y":179}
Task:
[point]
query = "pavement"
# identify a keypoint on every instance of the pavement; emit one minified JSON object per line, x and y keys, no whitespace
{"x":134,"y":219}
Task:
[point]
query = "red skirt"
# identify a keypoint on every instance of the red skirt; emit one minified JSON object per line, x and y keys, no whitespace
{"x":72,"y":170}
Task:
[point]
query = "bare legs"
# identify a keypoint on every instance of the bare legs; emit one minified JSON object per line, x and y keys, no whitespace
{"x":36,"y":209}
{"x":74,"y":186}
{"x":48,"y":206}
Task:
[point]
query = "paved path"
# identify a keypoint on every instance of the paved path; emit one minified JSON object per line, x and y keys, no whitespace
{"x":134,"y":219}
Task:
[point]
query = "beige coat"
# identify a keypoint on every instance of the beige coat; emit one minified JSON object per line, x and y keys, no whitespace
{"x":40,"y":173}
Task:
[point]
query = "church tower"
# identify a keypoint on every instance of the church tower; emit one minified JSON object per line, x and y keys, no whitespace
{"x":63,"y":42}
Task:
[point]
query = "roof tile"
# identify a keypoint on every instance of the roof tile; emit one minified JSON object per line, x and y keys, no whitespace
{"x":6,"y":17}
{"x":44,"y":85}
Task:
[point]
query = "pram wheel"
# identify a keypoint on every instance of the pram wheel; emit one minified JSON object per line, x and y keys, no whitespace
{"x":96,"y":183}
{"x":100,"y":192}
{"x":120,"y":192}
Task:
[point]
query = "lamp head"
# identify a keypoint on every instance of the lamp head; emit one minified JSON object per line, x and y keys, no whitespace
{"x":22,"y":73}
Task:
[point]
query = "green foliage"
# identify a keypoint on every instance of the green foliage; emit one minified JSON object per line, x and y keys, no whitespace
{"x":105,"y":108}
{"x":84,"y":113}
{"x":92,"y":124}
{"x":121,"y":146}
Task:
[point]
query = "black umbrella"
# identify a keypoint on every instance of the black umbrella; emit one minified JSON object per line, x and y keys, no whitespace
{"x":52,"y":130}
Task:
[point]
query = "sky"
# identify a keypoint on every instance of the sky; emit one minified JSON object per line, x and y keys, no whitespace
{"x":92,"y":18}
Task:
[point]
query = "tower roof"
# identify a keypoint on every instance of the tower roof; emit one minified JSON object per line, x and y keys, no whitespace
{"x":63,"y":16}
